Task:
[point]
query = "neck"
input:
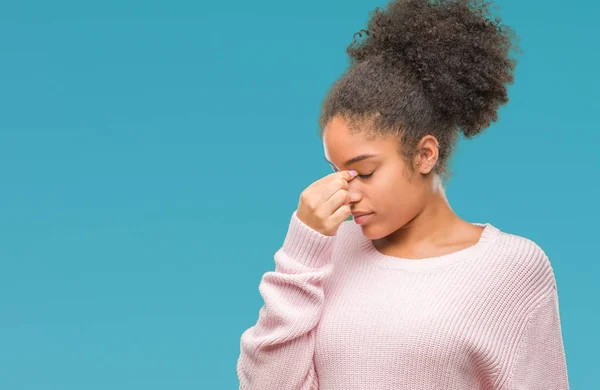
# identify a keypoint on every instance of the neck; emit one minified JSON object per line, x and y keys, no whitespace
{"x":434,"y":225}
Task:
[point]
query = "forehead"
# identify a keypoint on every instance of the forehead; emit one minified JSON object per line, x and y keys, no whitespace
{"x":339,"y":145}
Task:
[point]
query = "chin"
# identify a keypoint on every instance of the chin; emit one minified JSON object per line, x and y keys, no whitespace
{"x":371,"y":232}
{"x":377,"y":231}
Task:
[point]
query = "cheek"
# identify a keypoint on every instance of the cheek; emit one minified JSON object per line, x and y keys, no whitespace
{"x":392,"y":183}
{"x":382,"y":191}
{"x":393,"y":193}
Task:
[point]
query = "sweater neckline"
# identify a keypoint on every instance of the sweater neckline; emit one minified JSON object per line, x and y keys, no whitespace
{"x":488,"y":235}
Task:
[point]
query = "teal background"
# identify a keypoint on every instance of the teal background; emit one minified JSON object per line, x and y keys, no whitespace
{"x":152,"y":153}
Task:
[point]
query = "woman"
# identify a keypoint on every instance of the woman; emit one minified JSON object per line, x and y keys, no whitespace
{"x":409,"y":295}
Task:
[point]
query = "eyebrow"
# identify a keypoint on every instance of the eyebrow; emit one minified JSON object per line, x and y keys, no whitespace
{"x":355,"y":159}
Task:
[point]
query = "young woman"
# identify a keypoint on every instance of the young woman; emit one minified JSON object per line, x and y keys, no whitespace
{"x":409,"y":295}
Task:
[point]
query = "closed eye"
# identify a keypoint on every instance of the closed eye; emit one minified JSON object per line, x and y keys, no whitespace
{"x":361,"y":176}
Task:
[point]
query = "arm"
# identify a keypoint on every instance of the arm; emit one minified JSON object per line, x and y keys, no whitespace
{"x":540,"y":363}
{"x":277,"y":352}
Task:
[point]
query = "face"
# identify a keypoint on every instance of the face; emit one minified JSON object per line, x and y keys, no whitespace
{"x":384,"y":184}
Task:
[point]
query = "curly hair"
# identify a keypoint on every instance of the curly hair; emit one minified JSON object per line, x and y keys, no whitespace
{"x":425,"y":67}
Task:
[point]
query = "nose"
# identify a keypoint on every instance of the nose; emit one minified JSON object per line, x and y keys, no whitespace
{"x":354,"y":196}
{"x":354,"y":188}
{"x":354,"y":191}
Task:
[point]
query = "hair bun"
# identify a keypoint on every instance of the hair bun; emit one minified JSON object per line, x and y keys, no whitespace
{"x":459,"y":54}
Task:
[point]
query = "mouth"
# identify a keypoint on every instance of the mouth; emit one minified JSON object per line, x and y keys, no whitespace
{"x":362,"y":219}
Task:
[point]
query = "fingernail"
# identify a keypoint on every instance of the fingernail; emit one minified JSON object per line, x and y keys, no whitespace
{"x":353,"y":172}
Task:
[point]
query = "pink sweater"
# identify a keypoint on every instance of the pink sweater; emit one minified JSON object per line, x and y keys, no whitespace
{"x":340,"y":315}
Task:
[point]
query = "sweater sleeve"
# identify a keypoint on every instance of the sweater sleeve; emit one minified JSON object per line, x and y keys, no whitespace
{"x":277,"y":352}
{"x":541,"y":363}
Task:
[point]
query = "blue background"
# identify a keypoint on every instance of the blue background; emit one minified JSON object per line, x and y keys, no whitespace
{"x":151,"y":155}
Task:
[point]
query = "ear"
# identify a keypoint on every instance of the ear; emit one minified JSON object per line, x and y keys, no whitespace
{"x":428,"y":154}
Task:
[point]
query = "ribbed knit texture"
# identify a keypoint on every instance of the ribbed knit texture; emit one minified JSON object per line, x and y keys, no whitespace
{"x":340,"y":315}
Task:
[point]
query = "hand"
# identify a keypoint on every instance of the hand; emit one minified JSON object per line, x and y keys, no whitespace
{"x":324,"y":204}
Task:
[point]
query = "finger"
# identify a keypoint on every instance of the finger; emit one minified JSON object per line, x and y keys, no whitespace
{"x":345,"y":174}
{"x":339,"y":199}
{"x":330,"y":184}
{"x":340,"y":215}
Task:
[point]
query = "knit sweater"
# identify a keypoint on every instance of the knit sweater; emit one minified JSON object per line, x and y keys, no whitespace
{"x":340,"y":315}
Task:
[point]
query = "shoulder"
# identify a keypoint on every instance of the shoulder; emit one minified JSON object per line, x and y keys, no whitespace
{"x":344,"y":233}
{"x":347,"y":231}
{"x":347,"y":225}
{"x":347,"y":240}
{"x":523,"y":251}
{"x":523,"y":264}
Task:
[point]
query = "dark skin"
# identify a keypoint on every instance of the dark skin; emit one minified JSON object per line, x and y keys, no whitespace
{"x":412,"y":216}
{"x":423,"y":67}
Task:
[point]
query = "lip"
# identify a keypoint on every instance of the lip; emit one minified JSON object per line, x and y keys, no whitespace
{"x":362,"y":219}
{"x":359,"y":213}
